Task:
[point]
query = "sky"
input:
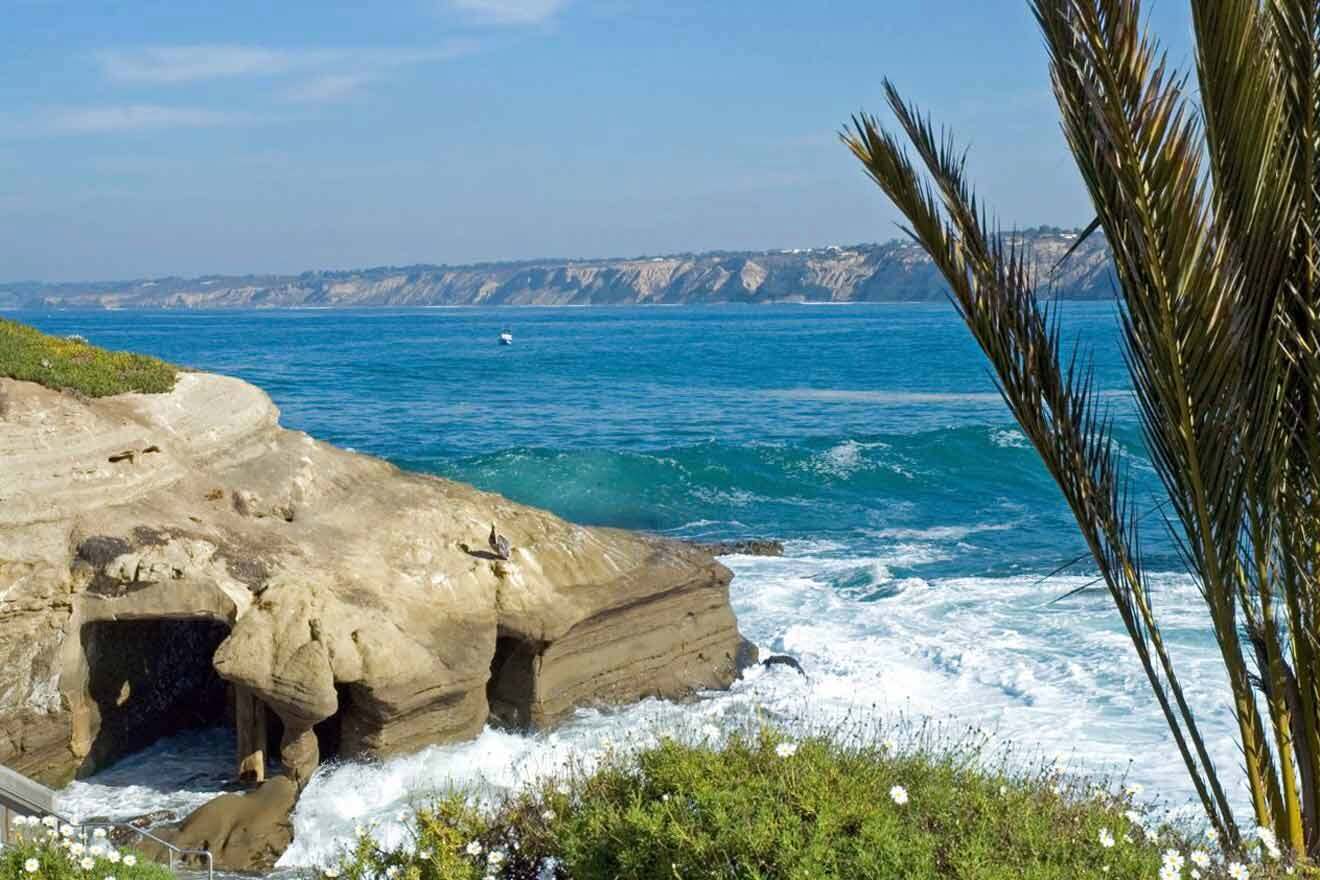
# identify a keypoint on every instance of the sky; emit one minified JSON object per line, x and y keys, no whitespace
{"x":184,"y":137}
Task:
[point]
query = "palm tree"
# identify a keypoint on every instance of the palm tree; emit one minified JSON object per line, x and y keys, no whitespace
{"x":1212,"y":210}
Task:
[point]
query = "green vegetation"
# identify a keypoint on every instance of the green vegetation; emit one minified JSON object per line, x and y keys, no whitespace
{"x":33,"y":356}
{"x":1209,"y":197}
{"x":47,"y":852}
{"x":761,"y":807}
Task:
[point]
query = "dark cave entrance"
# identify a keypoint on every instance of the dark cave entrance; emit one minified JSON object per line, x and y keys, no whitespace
{"x":512,"y":684}
{"x":149,"y":679}
{"x":330,"y":733}
{"x":334,"y":737}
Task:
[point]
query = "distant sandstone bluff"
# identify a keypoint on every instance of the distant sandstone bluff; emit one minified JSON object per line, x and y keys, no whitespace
{"x":175,"y":560}
{"x":892,"y":272}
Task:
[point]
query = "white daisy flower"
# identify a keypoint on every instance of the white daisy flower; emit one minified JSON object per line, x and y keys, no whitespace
{"x":786,"y":750}
{"x":332,"y":872}
{"x":1106,"y":838}
{"x":898,"y":794}
{"x":130,"y":860}
{"x":87,"y":863}
{"x":1238,"y":871}
{"x":1173,"y":859}
{"x":1200,"y":858}
{"x":474,"y":849}
{"x":31,"y":866}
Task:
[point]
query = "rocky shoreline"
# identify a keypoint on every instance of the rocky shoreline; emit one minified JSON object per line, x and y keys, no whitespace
{"x":179,"y":559}
{"x":895,"y":271}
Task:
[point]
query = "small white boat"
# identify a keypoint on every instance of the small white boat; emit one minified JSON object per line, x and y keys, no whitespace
{"x":506,"y":337}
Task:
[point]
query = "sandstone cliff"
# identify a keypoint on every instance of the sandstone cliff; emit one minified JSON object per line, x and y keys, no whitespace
{"x":180,"y":559}
{"x":895,"y":271}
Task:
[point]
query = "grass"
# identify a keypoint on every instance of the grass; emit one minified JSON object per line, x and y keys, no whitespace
{"x":43,"y":853}
{"x":759,"y":807}
{"x":69,"y":364}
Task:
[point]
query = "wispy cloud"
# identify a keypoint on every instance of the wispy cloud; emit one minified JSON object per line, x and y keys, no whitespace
{"x":297,"y":76}
{"x":511,"y":11}
{"x":183,"y":64}
{"x":132,"y":117}
{"x":179,"y":64}
{"x":329,"y":87}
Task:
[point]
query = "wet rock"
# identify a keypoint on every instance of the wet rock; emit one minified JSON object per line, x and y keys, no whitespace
{"x":249,"y":829}
{"x":750,"y":547}
{"x":123,"y":837}
{"x":359,"y":625}
{"x":748,"y":656}
{"x":784,"y":660}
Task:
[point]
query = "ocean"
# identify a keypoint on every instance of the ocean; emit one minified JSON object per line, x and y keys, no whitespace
{"x":920,"y":529}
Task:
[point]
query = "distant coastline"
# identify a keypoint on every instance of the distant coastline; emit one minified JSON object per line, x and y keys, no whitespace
{"x":895,"y":271}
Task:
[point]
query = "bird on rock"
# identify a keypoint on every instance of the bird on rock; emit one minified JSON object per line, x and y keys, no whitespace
{"x":499,"y":544}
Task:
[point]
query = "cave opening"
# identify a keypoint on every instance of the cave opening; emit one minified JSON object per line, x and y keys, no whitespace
{"x":330,"y":733}
{"x":512,"y":684}
{"x":333,"y":741}
{"x":148,"y":679}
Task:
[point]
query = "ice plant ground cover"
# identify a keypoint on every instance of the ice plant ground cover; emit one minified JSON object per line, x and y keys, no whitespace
{"x":766,"y":807}
{"x":47,"y":851}
{"x":55,"y":362}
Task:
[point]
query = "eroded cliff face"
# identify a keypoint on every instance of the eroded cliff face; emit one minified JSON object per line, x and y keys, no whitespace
{"x":178,"y":559}
{"x":897,"y":271}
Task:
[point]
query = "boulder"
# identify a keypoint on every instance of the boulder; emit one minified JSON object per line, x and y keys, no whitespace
{"x":165,"y":558}
{"x":748,"y":547}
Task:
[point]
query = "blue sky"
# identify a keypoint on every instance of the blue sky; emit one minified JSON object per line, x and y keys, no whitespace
{"x":179,"y":137}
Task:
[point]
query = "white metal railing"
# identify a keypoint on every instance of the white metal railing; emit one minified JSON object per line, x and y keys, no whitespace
{"x":177,"y":855}
{"x":21,"y":795}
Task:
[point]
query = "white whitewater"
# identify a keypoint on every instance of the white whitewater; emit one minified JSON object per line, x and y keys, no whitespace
{"x":1053,"y":678}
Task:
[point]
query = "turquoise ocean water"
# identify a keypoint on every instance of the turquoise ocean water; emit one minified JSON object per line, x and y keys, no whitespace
{"x":869,"y":438}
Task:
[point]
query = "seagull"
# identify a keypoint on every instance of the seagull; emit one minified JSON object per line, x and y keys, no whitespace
{"x":498,"y":543}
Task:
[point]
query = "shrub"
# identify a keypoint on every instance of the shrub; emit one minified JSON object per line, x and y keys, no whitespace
{"x":33,"y":356}
{"x":46,"y":852}
{"x":762,"y":807}
{"x":1209,"y":198}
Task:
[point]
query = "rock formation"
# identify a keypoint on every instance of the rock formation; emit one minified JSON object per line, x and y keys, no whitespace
{"x":179,"y":559}
{"x":896,"y":271}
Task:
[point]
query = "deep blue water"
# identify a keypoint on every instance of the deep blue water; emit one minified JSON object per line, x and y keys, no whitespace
{"x":870,"y":438}
{"x":790,"y":422}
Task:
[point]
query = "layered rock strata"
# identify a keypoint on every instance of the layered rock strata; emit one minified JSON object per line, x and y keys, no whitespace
{"x":175,"y":560}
